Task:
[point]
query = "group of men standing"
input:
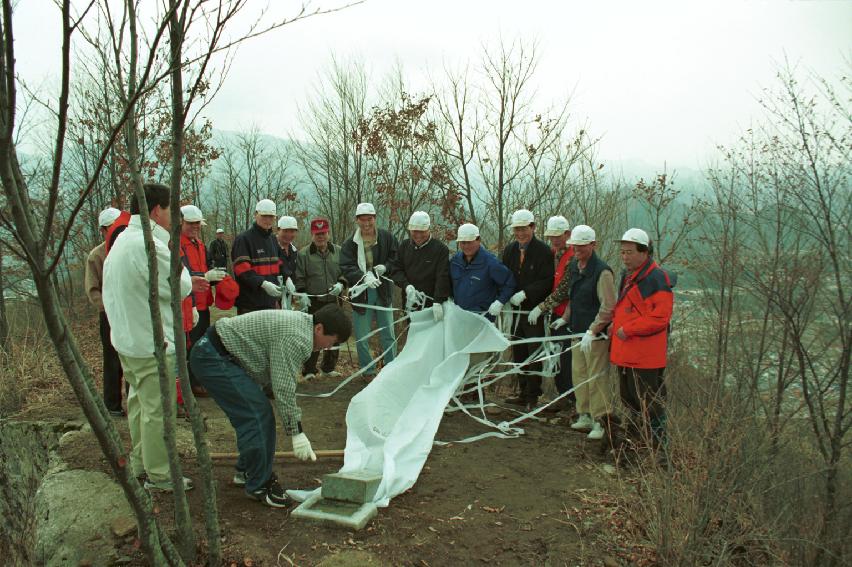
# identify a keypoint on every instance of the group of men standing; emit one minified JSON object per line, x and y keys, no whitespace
{"x":259,"y":352}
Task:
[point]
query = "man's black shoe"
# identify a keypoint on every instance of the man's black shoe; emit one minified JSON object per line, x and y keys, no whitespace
{"x":272,"y":494}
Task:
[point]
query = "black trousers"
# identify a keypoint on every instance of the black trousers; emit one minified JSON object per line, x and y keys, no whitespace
{"x":194,"y":336}
{"x":563,"y":379}
{"x":112,"y":373}
{"x":529,"y":387}
{"x":643,"y":393}
{"x":329,"y":357}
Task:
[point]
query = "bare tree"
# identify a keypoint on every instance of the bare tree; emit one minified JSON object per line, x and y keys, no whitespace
{"x":251,"y":167}
{"x":336,"y":171}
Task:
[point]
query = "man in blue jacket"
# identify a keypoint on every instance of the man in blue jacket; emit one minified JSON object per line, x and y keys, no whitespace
{"x":481,"y":283}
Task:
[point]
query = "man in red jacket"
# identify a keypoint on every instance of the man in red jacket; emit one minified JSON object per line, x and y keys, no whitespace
{"x":639,"y":333}
{"x":197,"y":305}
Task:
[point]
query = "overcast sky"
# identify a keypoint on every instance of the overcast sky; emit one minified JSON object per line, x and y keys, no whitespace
{"x":660,"y":81}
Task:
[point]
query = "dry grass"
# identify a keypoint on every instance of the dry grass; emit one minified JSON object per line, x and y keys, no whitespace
{"x":31,"y":378}
{"x":722,"y":493}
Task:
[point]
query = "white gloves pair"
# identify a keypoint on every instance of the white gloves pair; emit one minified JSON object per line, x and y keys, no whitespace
{"x":271,"y":289}
{"x":495,"y":308}
{"x":336,"y":289}
{"x":518,"y":298}
{"x":215,"y":275}
{"x":302,"y":448}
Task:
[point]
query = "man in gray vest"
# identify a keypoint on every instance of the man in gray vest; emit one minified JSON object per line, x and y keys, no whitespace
{"x":591,"y":299}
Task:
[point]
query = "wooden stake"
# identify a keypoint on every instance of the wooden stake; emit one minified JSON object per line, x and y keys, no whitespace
{"x":324,"y":454}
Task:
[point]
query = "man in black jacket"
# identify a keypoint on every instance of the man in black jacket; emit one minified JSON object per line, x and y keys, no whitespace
{"x":363,"y":260}
{"x":422,"y":267}
{"x":531,"y":262}
{"x":256,"y":262}
{"x":217,"y":251}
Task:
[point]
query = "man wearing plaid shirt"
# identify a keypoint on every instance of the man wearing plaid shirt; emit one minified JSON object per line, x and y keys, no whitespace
{"x":239,"y":356}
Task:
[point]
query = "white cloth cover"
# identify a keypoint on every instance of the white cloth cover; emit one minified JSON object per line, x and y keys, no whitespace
{"x":391,"y":424}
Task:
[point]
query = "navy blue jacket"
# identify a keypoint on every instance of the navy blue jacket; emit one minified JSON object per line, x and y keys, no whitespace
{"x":477,"y":284}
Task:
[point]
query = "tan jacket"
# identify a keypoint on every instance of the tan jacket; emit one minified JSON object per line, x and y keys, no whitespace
{"x":95,"y":275}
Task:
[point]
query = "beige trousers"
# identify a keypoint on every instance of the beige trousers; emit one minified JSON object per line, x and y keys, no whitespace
{"x":145,"y":417}
{"x":597,"y":397}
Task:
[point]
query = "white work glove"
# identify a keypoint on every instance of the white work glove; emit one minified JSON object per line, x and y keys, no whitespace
{"x":302,"y":448}
{"x":586,"y":342}
{"x":437,"y":311}
{"x":195,"y":317}
{"x":271,"y":289}
{"x":495,"y":308}
{"x":371,"y":280}
{"x":215,"y":275}
{"x":380,"y":270}
{"x":558,"y":324}
{"x":411,"y":294}
{"x":518,"y":298}
{"x":336,"y":289}
{"x":534,"y":315}
{"x":304,"y":301}
{"x":291,"y":287}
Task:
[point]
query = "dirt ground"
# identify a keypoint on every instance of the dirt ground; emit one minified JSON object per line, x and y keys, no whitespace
{"x":518,"y":501}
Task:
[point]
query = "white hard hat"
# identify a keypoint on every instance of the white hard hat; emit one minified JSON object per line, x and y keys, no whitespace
{"x":522,"y":217}
{"x":419,"y":221}
{"x":467,"y":232}
{"x":582,"y":234}
{"x":108,"y":216}
{"x":557,"y":226}
{"x":265,"y":207}
{"x":636,"y":235}
{"x":288,"y":222}
{"x":220,"y":231}
{"x":365,"y":209}
{"x":191,"y":213}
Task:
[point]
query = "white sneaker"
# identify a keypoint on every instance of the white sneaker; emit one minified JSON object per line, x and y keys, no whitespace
{"x":332,"y":374}
{"x":240,"y":478}
{"x":309,"y":376}
{"x":596,"y":433}
{"x":583,"y":422}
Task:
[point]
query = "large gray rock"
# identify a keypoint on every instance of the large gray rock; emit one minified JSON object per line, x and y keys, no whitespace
{"x":79,"y":514}
{"x":27,"y":452}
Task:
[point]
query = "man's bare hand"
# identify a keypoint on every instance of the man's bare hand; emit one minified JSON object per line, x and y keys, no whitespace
{"x":199,"y":284}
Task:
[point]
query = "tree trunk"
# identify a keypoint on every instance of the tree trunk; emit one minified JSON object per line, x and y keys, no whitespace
{"x":5,"y":343}
{"x":211,"y":513}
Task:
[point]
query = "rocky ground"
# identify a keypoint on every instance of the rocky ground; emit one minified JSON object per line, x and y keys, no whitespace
{"x":542,"y":499}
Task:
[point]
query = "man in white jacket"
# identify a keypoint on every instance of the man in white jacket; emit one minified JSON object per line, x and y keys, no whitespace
{"x":125,"y":297}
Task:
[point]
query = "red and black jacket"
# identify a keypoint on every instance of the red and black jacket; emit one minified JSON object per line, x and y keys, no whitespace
{"x":194,"y":257}
{"x":643,"y":311}
{"x":255,"y":259}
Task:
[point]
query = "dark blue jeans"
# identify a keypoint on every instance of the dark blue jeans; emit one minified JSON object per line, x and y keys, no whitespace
{"x":246,"y":406}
